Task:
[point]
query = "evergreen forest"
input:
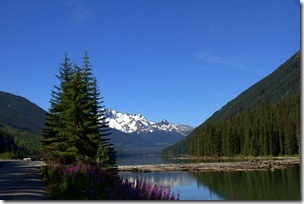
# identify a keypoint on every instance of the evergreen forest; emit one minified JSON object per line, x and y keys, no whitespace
{"x":15,"y":143}
{"x":264,"y":120}
{"x":271,"y":129}
{"x":21,"y":124}
{"x":19,"y":113}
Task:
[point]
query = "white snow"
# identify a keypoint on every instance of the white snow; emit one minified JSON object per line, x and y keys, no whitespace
{"x":129,"y":123}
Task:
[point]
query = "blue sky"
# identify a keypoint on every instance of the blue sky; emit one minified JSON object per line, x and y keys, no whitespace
{"x":179,"y":60}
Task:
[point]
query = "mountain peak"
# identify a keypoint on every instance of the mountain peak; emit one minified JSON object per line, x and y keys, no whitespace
{"x":130,"y":122}
{"x":164,"y":122}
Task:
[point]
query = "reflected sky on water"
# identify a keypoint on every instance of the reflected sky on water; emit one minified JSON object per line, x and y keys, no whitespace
{"x":250,"y":186}
{"x":182,"y":183}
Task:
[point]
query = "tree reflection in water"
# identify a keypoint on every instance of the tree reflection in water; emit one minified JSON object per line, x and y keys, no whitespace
{"x":251,"y":185}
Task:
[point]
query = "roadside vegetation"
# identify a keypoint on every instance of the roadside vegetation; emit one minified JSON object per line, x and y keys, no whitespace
{"x":17,"y":144}
{"x":7,"y":155}
{"x":93,"y":183}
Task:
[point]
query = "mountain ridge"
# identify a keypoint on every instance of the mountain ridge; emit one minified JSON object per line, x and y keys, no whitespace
{"x":282,"y":82}
{"x":134,"y":133}
{"x":130,"y":122}
{"x":20,"y":113}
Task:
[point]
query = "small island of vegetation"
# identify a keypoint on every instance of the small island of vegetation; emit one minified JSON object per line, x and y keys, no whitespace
{"x":80,"y":160}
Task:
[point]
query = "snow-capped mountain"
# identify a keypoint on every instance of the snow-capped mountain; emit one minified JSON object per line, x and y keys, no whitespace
{"x":137,"y":123}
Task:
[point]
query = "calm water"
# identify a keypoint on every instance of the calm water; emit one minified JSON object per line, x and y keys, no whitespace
{"x":252,"y":185}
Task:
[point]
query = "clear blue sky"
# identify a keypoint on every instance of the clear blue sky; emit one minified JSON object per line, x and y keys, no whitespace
{"x":179,"y":60}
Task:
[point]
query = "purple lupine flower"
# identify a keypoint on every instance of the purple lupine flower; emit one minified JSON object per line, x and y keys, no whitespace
{"x":172,"y":197}
{"x":160,"y":192}
{"x":97,"y":183}
{"x":166,"y":195}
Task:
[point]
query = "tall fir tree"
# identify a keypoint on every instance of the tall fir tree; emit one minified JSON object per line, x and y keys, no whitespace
{"x":75,"y":130}
{"x":55,"y":140}
{"x":98,"y":127}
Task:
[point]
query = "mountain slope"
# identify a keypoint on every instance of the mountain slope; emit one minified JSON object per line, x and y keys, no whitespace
{"x":20,"y":113}
{"x":284,"y":82}
{"x":142,"y":143}
{"x":21,"y":124}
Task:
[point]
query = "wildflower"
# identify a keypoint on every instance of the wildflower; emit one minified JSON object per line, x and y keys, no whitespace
{"x":172,"y":197}
{"x":166,"y":194}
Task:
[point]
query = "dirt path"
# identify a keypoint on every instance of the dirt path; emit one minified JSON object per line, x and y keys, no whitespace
{"x":21,"y":180}
{"x":252,"y":165}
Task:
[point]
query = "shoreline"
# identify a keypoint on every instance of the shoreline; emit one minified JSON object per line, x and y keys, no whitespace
{"x":255,"y":164}
{"x":238,"y":157}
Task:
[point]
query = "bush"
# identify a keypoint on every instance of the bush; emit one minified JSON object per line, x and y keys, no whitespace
{"x":93,"y":183}
{"x":7,"y":155}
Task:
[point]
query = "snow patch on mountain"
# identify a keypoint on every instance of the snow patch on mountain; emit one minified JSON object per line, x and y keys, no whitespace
{"x":129,"y":123}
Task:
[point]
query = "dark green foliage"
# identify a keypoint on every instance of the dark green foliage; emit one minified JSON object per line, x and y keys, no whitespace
{"x":75,"y":130}
{"x":21,"y":124}
{"x":263,"y":120}
{"x":253,"y":132}
{"x":20,"y":113}
{"x":55,"y":144}
{"x":19,"y":143}
{"x":7,"y":155}
{"x":281,"y":83}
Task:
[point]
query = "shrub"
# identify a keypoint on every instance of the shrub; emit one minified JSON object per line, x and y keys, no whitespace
{"x":7,"y":155}
{"x":93,"y":183}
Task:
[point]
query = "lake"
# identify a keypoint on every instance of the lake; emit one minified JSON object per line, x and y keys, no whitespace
{"x":251,"y":185}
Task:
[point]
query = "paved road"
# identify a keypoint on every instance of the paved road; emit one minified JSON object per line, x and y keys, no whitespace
{"x":21,"y":180}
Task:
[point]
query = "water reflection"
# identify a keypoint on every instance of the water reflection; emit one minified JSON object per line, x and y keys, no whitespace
{"x":252,"y":185}
{"x":168,"y":179}
{"x":182,"y":183}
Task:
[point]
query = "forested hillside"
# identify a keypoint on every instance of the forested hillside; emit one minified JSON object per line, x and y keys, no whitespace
{"x":263,"y":120}
{"x":16,"y":143}
{"x":270,"y":129}
{"x":20,"y":113}
{"x":21,"y":124}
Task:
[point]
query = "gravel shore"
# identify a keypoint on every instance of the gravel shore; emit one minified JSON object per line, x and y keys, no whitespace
{"x":251,"y":165}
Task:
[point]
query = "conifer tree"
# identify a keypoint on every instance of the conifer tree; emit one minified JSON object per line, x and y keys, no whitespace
{"x":97,"y":127}
{"x":75,"y":130}
{"x":55,"y":140}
